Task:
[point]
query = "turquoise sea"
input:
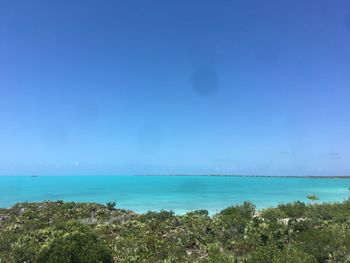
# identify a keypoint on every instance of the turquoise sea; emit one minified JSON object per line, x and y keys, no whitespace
{"x":177,"y":193}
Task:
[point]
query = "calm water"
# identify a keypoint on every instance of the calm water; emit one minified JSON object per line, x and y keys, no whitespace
{"x":179,"y":193}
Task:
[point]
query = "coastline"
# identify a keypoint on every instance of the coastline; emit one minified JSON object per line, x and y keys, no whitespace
{"x":191,"y":175}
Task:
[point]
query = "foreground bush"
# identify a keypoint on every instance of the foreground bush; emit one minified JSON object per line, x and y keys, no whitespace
{"x":61,"y":232}
{"x":75,"y":244}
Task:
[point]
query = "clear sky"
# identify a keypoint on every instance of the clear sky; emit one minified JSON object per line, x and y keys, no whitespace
{"x":175,"y":87}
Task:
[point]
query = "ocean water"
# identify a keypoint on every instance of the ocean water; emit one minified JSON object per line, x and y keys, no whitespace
{"x":178,"y":193}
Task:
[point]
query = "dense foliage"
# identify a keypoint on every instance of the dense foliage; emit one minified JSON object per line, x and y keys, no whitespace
{"x":83,"y":232}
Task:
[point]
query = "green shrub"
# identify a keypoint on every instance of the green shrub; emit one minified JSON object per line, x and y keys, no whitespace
{"x":263,"y":254}
{"x":293,"y":210}
{"x":329,"y":243}
{"x":77,"y":244}
{"x":111,"y":205}
{"x":273,"y":214}
{"x":245,"y":211}
{"x":232,"y":221}
{"x":293,"y":255}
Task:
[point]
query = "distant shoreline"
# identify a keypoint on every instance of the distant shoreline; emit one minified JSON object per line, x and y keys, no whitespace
{"x":267,"y":176}
{"x":205,"y":175}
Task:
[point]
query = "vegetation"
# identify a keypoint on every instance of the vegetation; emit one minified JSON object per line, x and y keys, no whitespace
{"x":313,"y":197}
{"x":85,"y":232}
{"x":111,"y":205}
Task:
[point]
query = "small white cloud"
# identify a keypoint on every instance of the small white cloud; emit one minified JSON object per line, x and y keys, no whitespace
{"x":76,"y":163}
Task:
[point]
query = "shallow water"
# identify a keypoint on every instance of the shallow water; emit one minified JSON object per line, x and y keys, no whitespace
{"x":177,"y":193}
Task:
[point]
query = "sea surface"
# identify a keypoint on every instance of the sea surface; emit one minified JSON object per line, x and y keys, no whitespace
{"x":178,"y":193}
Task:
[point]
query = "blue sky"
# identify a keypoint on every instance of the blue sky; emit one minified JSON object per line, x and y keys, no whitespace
{"x":175,"y":87}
